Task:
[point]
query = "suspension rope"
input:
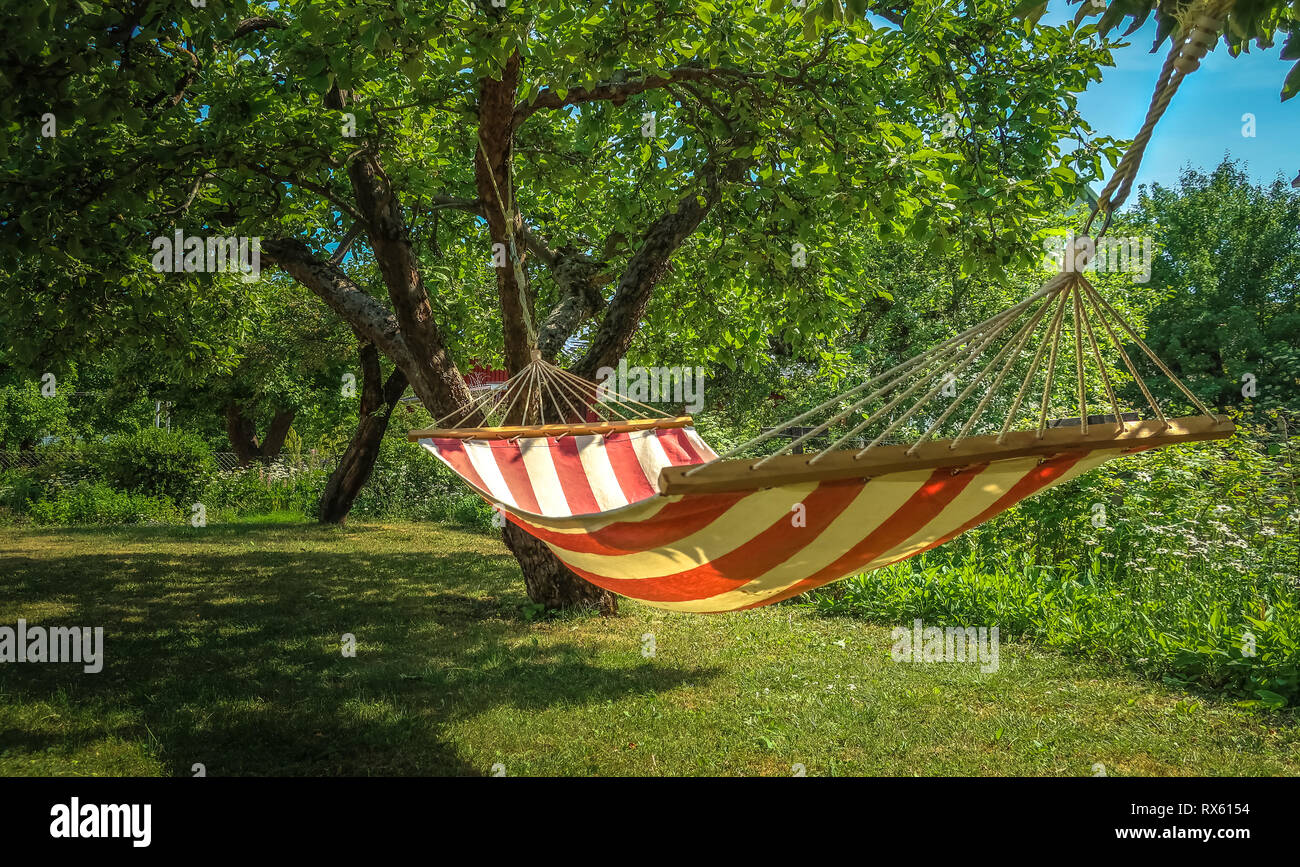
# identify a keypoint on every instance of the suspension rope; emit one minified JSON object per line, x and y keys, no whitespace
{"x":932,"y":364}
{"x":899,"y":371}
{"x":541,"y":390}
{"x":516,"y":261}
{"x":1052,"y":328}
{"x":1128,"y":362}
{"x":901,"y":420}
{"x":1101,"y":366}
{"x":1078,"y":361}
{"x":622,"y":399}
{"x":1016,"y":342}
{"x":1185,"y":54}
{"x":1164,"y":368}
{"x":577,"y":415}
{"x":610,"y":408}
{"x":1051,"y":370}
{"x":1021,"y":339}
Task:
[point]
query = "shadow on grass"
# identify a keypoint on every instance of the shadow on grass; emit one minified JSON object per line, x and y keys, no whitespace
{"x":233,"y":659}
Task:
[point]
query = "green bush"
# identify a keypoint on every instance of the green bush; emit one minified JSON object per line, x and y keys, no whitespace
{"x":19,"y":489}
{"x":410,"y":484}
{"x":263,"y":490}
{"x":157,"y":462}
{"x":97,"y":503}
{"x":62,"y":465}
{"x":470,"y":510}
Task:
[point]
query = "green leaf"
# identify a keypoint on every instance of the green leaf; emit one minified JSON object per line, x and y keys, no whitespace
{"x":1292,"y":83}
{"x":1291,"y":48}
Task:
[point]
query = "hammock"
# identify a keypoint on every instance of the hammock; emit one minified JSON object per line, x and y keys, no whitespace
{"x":639,"y":504}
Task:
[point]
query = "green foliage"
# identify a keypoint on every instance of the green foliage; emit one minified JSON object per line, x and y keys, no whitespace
{"x":408,"y":483}
{"x":262,"y":490}
{"x":73,"y":484}
{"x":27,"y":416}
{"x":99,"y":503}
{"x":246,"y":149}
{"x":1224,"y":282}
{"x":1246,"y":21}
{"x":18,"y":490}
{"x":157,"y":462}
{"x":1197,"y":559}
{"x":1194,"y":626}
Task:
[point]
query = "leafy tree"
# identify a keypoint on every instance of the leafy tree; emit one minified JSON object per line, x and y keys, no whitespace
{"x":1226,"y":280}
{"x":291,"y":356}
{"x":624,"y":154}
{"x":27,"y":416}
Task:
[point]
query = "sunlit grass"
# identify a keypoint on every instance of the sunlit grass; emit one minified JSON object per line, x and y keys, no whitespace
{"x":223,"y":648}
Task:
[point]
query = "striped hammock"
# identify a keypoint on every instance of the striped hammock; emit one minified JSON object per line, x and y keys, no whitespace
{"x":593,"y":501}
{"x":643,"y":507}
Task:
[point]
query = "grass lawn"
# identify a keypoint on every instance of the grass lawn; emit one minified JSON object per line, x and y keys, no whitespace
{"x":222,"y":648}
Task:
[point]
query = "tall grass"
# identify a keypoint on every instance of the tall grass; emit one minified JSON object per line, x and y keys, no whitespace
{"x":1189,"y":570}
{"x":1195,"y":627}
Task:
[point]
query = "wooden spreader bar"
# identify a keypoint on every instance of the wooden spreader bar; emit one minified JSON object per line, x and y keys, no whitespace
{"x":549,"y":430}
{"x":738,"y":474}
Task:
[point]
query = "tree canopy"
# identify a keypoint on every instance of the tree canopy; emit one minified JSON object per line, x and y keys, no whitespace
{"x":218,"y":120}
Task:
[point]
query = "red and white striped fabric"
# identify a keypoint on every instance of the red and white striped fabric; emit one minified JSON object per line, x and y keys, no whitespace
{"x":572,"y":475}
{"x":596,"y":505}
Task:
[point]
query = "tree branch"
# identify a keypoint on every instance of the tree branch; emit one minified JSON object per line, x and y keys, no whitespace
{"x":319,"y":190}
{"x":367,"y":316}
{"x":619,"y":90}
{"x":429,"y":366}
{"x":579,"y":279}
{"x":346,"y":244}
{"x":659,"y":243}
{"x":249,"y":25}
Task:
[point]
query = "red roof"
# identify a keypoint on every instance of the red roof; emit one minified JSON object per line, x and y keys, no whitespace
{"x":478,"y":376}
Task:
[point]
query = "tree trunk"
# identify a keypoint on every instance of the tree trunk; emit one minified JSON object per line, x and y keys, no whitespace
{"x":494,"y":181}
{"x":549,"y":582}
{"x":429,"y":367}
{"x":377,"y":403}
{"x":242,"y":434}
{"x":409,"y":335}
{"x":273,"y":442}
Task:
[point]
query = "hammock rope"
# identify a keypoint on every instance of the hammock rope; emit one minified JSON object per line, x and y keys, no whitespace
{"x":1029,"y":376}
{"x":543,"y":395}
{"x":1188,"y":48}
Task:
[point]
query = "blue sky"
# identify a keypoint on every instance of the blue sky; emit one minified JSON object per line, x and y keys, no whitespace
{"x":1204,"y":119}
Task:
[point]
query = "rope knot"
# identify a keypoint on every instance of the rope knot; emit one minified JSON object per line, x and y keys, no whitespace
{"x":1203,"y":36}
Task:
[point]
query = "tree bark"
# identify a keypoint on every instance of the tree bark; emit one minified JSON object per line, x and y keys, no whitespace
{"x":495,"y":183}
{"x":428,"y":365}
{"x":549,"y":582}
{"x":644,"y":270}
{"x":378,"y":399}
{"x":242,"y":433}
{"x":276,"y":431}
